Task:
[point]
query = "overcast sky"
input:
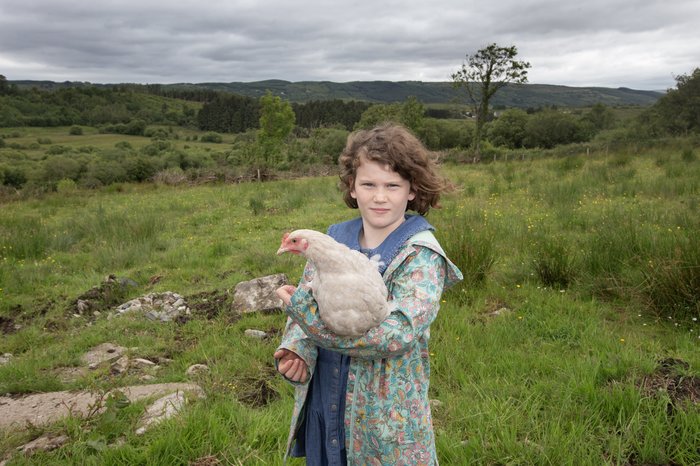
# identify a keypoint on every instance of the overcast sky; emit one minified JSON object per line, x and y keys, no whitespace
{"x":641,"y":44}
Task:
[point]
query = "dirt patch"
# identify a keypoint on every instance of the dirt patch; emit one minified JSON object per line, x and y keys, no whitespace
{"x":206,"y":461}
{"x":670,"y":377}
{"x":7,"y":325}
{"x":494,"y":307}
{"x":209,"y":304}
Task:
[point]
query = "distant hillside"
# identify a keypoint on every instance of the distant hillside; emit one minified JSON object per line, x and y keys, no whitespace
{"x":522,"y":96}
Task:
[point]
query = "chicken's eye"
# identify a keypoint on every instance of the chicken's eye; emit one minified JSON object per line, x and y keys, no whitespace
{"x":294,"y":240}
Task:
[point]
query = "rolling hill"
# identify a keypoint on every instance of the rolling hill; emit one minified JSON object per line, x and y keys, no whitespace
{"x":522,"y":96}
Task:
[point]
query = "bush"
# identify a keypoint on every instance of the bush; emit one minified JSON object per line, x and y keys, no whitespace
{"x":66,"y":185}
{"x":44,"y":141}
{"x":57,"y":149}
{"x":124,"y":145}
{"x":551,"y":128}
{"x":75,"y":131}
{"x":688,"y":155}
{"x":211,"y":137}
{"x":156,"y":133}
{"x":14,"y":177}
{"x":170,"y":176}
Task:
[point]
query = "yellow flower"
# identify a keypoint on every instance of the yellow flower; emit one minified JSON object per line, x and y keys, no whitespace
{"x":622,"y":340}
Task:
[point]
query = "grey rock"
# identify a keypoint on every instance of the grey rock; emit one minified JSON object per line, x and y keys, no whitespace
{"x":258,"y":334}
{"x":120,"y":366}
{"x":197,"y":369}
{"x":162,"y":409}
{"x":258,"y":295}
{"x":102,"y":353}
{"x":44,"y":443}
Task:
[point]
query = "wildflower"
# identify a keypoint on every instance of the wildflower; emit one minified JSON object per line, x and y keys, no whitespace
{"x":622,"y":340}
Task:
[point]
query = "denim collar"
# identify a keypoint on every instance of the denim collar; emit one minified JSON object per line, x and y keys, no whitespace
{"x":349,"y":233}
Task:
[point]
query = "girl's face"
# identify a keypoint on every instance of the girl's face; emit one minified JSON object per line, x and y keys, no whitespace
{"x":382,"y":196}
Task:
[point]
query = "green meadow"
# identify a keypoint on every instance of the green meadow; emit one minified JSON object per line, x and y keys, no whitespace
{"x":573,"y":340}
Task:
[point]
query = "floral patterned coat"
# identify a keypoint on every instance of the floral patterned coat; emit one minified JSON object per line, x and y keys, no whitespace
{"x":387,"y":410}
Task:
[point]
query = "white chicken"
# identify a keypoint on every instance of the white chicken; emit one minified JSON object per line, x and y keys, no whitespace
{"x":348,"y":288}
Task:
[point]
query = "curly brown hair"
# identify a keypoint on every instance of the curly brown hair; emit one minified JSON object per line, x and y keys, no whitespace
{"x":396,"y":147}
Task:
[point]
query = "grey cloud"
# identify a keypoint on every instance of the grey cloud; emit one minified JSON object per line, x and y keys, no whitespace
{"x":633,"y":43}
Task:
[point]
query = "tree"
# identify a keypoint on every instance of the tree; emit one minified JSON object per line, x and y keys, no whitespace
{"x":482,"y":75}
{"x":678,"y":111}
{"x":276,"y":123}
{"x":409,"y":113}
{"x":550,"y":128}
{"x":4,"y":87}
{"x":508,"y":129}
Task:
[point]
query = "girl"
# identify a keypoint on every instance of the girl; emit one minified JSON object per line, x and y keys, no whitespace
{"x":365,"y":400}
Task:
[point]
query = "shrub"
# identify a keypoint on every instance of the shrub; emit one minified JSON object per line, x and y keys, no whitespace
{"x":211,"y":137}
{"x":688,"y":155}
{"x":44,"y":141}
{"x":170,"y":176}
{"x":124,"y":145}
{"x":156,"y":133}
{"x":75,"y":131}
{"x":57,"y":149}
{"x":66,"y":185}
{"x":14,"y":177}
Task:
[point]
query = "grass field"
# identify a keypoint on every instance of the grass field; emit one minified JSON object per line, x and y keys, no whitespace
{"x":574,"y":338}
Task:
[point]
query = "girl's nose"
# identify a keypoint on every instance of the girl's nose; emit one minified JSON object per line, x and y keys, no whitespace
{"x":380,"y":195}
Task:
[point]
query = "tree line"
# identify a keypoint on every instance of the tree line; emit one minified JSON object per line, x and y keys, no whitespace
{"x":276,"y":135}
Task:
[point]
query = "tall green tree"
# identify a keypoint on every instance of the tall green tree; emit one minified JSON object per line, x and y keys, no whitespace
{"x":276,"y":124}
{"x":482,"y":75}
{"x":409,"y":113}
{"x":678,"y":111}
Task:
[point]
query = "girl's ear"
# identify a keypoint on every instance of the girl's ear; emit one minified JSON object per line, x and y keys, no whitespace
{"x":411,"y":196}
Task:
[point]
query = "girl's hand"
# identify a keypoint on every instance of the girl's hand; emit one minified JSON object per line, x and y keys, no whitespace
{"x":285,"y":293}
{"x":291,"y":365}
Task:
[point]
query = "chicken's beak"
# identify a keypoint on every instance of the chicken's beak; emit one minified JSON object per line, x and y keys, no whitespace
{"x":282,"y":250}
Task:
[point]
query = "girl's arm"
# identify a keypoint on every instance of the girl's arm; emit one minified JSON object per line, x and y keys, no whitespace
{"x":296,"y":341}
{"x":415,"y":288}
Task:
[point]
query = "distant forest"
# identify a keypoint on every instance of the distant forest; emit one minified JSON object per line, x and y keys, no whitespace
{"x":512,"y":96}
{"x":235,"y":107}
{"x":173,"y":117}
